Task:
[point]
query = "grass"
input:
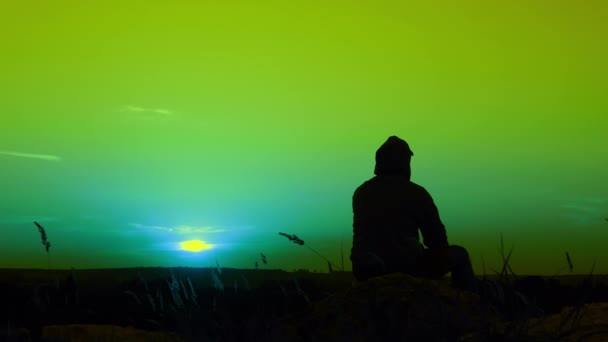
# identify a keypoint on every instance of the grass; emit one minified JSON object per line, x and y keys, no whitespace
{"x":169,"y":305}
{"x":226,"y":310}
{"x":296,"y":240}
{"x":524,"y":316}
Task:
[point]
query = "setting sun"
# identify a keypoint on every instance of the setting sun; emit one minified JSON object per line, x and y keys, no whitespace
{"x":195,"y":245}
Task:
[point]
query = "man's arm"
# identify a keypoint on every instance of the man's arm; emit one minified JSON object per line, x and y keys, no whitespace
{"x":359,"y":219}
{"x":431,"y":227}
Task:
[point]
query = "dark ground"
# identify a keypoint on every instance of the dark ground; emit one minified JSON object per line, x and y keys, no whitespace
{"x":238,"y":305}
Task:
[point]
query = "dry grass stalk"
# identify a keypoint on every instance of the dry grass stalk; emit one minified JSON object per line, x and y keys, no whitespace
{"x":293,"y":238}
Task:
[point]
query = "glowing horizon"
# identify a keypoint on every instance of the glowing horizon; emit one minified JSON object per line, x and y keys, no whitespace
{"x":195,"y":246}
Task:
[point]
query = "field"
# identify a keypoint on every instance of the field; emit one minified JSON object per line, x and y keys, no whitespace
{"x":271,"y":305}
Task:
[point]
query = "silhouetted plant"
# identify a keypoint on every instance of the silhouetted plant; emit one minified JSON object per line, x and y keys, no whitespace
{"x":45,"y":242}
{"x":342,"y":253}
{"x":293,"y":238}
{"x":174,"y":287}
{"x":569,"y":262}
{"x":217,"y":282}
{"x":193,"y":295}
{"x":299,"y":290}
{"x":572,"y":318}
{"x":264,"y":259}
{"x":246,"y":282}
{"x":506,"y":268}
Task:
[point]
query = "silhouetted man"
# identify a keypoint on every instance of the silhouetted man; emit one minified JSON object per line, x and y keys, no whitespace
{"x":389,"y":210}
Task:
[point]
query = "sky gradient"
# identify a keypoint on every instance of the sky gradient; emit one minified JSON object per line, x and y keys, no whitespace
{"x":129,"y":127}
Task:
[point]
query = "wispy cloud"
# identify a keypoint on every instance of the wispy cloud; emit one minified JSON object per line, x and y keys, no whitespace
{"x":48,"y":157}
{"x":586,"y":210}
{"x":180,"y":230}
{"x":148,"y":112}
{"x":24,"y":219}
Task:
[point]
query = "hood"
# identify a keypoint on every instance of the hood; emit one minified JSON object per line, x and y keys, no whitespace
{"x":393,"y":158}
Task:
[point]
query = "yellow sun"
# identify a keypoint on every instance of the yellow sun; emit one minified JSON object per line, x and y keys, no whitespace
{"x":195,"y":245}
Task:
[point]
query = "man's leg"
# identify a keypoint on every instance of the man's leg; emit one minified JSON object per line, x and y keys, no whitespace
{"x":435,"y":263}
{"x":367,"y":266}
{"x":461,"y":268}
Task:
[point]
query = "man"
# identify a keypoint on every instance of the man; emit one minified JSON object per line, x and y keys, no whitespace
{"x":389,"y":210}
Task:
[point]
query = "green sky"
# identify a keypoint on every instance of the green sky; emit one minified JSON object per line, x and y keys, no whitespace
{"x":127,"y":127}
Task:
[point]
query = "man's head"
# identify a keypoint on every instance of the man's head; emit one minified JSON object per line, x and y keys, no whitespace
{"x":393,"y":158}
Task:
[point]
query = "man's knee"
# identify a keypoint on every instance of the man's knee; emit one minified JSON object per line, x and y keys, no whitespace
{"x":459,"y":253}
{"x":368,"y":265}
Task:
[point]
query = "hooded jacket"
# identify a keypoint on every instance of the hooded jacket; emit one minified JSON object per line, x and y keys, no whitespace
{"x":389,"y":210}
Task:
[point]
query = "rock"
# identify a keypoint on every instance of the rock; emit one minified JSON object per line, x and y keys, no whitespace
{"x":588,"y":323}
{"x":392,"y":307}
{"x":92,"y":332}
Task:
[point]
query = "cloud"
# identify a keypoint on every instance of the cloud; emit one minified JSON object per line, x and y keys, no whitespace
{"x":180,"y":230}
{"x":47,"y":157}
{"x":24,"y":219}
{"x":148,"y":112}
{"x":586,"y":210}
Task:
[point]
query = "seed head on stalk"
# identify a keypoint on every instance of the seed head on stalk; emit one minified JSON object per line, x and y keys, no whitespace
{"x":45,"y":242}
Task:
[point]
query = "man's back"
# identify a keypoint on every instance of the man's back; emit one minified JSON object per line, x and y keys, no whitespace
{"x":388,"y":211}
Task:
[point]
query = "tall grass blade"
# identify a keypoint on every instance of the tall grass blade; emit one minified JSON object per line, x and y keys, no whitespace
{"x":264,"y":259}
{"x":342,"y":253}
{"x":483,"y":264}
{"x":45,"y":242}
{"x":246,"y":281}
{"x":132,"y":295}
{"x":569,"y":262}
{"x":193,"y":295}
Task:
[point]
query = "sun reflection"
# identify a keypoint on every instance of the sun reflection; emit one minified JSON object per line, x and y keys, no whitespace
{"x":195,"y":245}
